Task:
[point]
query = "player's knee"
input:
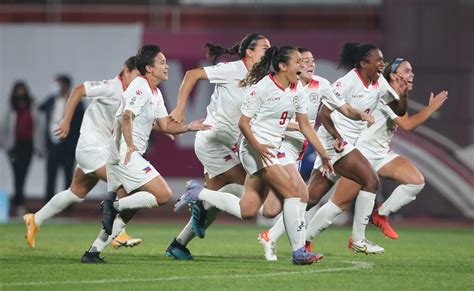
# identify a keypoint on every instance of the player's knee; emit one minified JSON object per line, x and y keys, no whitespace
{"x":416,"y":179}
{"x":271,"y":211}
{"x":79,"y":191}
{"x":248,"y":213}
{"x":372,"y":184}
{"x":164,"y":196}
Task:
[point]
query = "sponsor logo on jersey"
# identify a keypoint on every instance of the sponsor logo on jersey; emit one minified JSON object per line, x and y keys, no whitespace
{"x":253,"y":93}
{"x":271,"y":99}
{"x":138,"y":92}
{"x":281,"y":155}
{"x":358,"y":96}
{"x":147,"y":170}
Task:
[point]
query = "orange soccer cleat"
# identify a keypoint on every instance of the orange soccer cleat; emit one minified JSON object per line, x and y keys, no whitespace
{"x":31,"y":229}
{"x":381,"y":222}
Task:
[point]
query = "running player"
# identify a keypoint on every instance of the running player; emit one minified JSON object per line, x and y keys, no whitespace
{"x":270,"y":103}
{"x":364,"y":88}
{"x":374,"y":144}
{"x":127,"y":170}
{"x":317,"y":90}
{"x":96,"y":130}
{"x":216,"y":148}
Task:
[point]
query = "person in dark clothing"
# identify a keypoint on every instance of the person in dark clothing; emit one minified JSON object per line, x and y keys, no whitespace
{"x":60,"y":152}
{"x":20,"y":126}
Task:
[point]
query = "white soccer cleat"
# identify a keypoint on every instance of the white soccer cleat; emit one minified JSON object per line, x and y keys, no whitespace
{"x":365,"y":246}
{"x":269,"y":246}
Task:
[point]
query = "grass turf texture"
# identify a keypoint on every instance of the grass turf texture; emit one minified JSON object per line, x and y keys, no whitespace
{"x":231,"y":258}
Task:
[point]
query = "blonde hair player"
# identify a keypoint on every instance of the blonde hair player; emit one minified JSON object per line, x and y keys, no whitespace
{"x":270,"y":103}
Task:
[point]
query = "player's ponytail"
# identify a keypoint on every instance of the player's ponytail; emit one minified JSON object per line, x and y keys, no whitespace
{"x":353,"y":53}
{"x":271,"y":60}
{"x":215,"y":51}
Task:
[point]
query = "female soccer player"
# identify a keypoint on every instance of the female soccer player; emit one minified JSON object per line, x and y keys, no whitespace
{"x":142,"y":106}
{"x":96,"y":130}
{"x":269,"y":104}
{"x":317,"y":90}
{"x":374,"y":145}
{"x":364,"y":88}
{"x":216,"y":148}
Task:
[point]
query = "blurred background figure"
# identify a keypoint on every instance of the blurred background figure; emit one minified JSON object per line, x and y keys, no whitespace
{"x":20,"y":139}
{"x":60,"y":152}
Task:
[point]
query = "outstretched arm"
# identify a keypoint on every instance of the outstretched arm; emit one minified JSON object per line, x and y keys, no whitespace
{"x":190,"y":79}
{"x":409,"y":123}
{"x":354,"y":114}
{"x":167,"y":125}
{"x":74,"y":98}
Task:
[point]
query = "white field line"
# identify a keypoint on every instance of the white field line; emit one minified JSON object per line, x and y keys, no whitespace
{"x":354,"y":266}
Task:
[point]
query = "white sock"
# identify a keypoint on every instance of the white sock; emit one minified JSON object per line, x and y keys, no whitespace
{"x":401,"y":196}
{"x":137,"y":200}
{"x":58,"y":203}
{"x":364,"y":205}
{"x":291,"y":218}
{"x":322,"y":220}
{"x":117,"y":227}
{"x":187,"y":234}
{"x":277,"y":230}
{"x":302,"y":212}
{"x":223,"y":201}
{"x":100,"y":242}
{"x":236,"y":189}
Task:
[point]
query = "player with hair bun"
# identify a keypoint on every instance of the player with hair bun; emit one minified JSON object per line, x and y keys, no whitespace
{"x":216,"y":148}
{"x":271,"y":101}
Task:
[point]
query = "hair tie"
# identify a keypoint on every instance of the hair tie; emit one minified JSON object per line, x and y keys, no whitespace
{"x":396,"y":63}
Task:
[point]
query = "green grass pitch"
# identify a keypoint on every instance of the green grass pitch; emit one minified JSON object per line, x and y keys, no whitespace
{"x":231,"y":258}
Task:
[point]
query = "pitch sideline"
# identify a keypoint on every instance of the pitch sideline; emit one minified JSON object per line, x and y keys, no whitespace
{"x":355,"y":265}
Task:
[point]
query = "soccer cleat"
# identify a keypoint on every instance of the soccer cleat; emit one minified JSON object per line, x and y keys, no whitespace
{"x":177,"y":251}
{"x":365,"y":246}
{"x":309,"y":248}
{"x":269,"y":246}
{"x":124,"y":240}
{"x":92,"y":258}
{"x":199,"y":216}
{"x":31,"y":229}
{"x":381,"y":222}
{"x":108,"y":215}
{"x":303,"y":257}
{"x":190,"y":195}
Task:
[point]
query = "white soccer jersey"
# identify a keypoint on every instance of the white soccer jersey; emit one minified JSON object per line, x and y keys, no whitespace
{"x":223,"y":112}
{"x":365,"y":97}
{"x":271,"y":108}
{"x":98,"y":121}
{"x":374,"y":142}
{"x":146,"y":104}
{"x":317,"y":90}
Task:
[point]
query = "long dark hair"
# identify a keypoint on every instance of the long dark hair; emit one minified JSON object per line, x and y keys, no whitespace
{"x":16,"y":99}
{"x":272,"y":58}
{"x":353,"y":53}
{"x":248,"y":42}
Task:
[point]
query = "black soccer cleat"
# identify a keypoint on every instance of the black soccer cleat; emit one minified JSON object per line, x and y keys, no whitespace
{"x":108,"y":215}
{"x":92,"y":258}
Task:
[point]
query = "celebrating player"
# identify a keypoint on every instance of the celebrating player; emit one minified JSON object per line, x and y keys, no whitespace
{"x":96,"y":131}
{"x":216,"y":148}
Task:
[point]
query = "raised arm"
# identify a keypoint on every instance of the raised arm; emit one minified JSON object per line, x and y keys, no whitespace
{"x":409,"y":123}
{"x":74,"y":98}
{"x":190,"y":79}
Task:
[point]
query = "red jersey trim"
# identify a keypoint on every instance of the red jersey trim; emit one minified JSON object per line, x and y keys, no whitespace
{"x":276,"y":84}
{"x":121,"y":81}
{"x":313,"y":84}
{"x":154,"y":91}
{"x":360,"y":77}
